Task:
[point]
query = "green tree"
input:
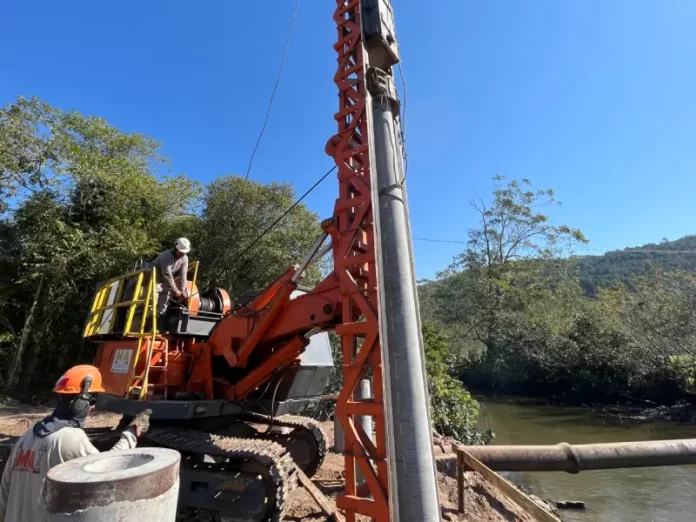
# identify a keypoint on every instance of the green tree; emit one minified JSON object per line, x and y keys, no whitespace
{"x":93,"y":207}
{"x":454,"y":412}
{"x":658,"y":313}
{"x":235,"y":214}
{"x":28,"y":151}
{"x":524,"y":323}
{"x":90,"y":202}
{"x":512,"y":262}
{"x":623,"y":267}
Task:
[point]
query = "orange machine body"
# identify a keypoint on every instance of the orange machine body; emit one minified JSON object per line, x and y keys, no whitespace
{"x":242,"y":351}
{"x":116,"y":362}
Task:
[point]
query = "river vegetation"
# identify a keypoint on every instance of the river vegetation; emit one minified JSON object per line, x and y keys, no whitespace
{"x":526,"y":320}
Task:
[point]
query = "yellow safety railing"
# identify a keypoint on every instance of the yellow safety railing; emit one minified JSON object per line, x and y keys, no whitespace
{"x":109,"y":301}
{"x":194,"y":267}
{"x":152,"y":335}
{"x":106,"y":316}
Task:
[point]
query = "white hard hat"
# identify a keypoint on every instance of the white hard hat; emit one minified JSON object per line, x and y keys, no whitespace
{"x":183,"y":245}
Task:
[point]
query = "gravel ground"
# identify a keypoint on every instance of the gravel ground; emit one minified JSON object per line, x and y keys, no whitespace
{"x":484,"y":503}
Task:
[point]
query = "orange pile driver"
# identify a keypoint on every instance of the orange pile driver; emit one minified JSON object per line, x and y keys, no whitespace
{"x":225,"y":386}
{"x":228,"y":385}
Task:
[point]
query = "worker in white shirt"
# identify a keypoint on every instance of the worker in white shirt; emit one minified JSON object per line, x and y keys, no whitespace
{"x":56,"y":439}
{"x":170,"y":264}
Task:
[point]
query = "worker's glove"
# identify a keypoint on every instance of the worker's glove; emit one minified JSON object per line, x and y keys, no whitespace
{"x":141,"y":422}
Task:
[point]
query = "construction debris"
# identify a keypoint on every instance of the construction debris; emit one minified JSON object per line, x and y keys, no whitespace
{"x":569,"y":504}
{"x":326,"y":504}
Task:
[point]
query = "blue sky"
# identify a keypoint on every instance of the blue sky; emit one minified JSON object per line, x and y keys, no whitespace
{"x":595,"y":99}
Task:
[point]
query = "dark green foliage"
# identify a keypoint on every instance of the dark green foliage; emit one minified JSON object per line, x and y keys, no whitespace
{"x":588,"y":362}
{"x":522,"y":321}
{"x":454,"y":412}
{"x":235,"y":213}
{"x":624,"y":266}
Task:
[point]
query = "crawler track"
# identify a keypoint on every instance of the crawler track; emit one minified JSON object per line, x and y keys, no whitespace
{"x":235,"y":456}
{"x":243,"y":479}
{"x":302,"y":427}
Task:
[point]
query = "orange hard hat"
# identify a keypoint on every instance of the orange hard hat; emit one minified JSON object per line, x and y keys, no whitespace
{"x":71,"y":382}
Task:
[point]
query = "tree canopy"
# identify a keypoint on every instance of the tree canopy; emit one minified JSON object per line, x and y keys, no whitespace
{"x":235,"y":214}
{"x":622,"y":267}
{"x":84,"y":201}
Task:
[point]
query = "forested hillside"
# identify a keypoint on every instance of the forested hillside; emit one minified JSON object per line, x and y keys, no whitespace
{"x":526,"y":319}
{"x":624,"y":266}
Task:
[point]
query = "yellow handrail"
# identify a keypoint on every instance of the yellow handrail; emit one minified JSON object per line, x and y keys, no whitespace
{"x":93,"y":314}
{"x":153,"y":335}
{"x":142,"y":335}
{"x":193,"y":283}
{"x":134,"y":298}
{"x":105,"y":311}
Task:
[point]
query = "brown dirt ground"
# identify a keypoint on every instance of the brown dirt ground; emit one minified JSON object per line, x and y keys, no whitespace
{"x":484,"y":503}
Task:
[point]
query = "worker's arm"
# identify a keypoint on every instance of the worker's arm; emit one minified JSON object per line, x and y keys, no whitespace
{"x":184,"y":272}
{"x":75,"y":444}
{"x":136,"y":427}
{"x":128,"y":440}
{"x":6,"y":483}
{"x":165,"y":267}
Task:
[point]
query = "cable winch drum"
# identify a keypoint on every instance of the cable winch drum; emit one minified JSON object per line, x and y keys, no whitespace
{"x":212,"y":303}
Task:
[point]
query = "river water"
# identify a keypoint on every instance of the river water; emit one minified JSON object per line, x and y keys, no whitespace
{"x":659,"y":494}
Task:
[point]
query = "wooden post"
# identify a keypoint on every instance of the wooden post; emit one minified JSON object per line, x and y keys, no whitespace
{"x":460,"y":481}
{"x":326,"y":504}
{"x":523,"y":501}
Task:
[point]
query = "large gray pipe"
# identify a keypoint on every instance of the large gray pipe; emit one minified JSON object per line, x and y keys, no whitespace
{"x":365,"y":421}
{"x":135,"y":485}
{"x":411,"y":454}
{"x":411,"y":459}
{"x":564,"y":457}
{"x":339,"y":436}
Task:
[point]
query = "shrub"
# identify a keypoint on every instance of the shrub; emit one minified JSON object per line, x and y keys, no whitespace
{"x":454,"y":411}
